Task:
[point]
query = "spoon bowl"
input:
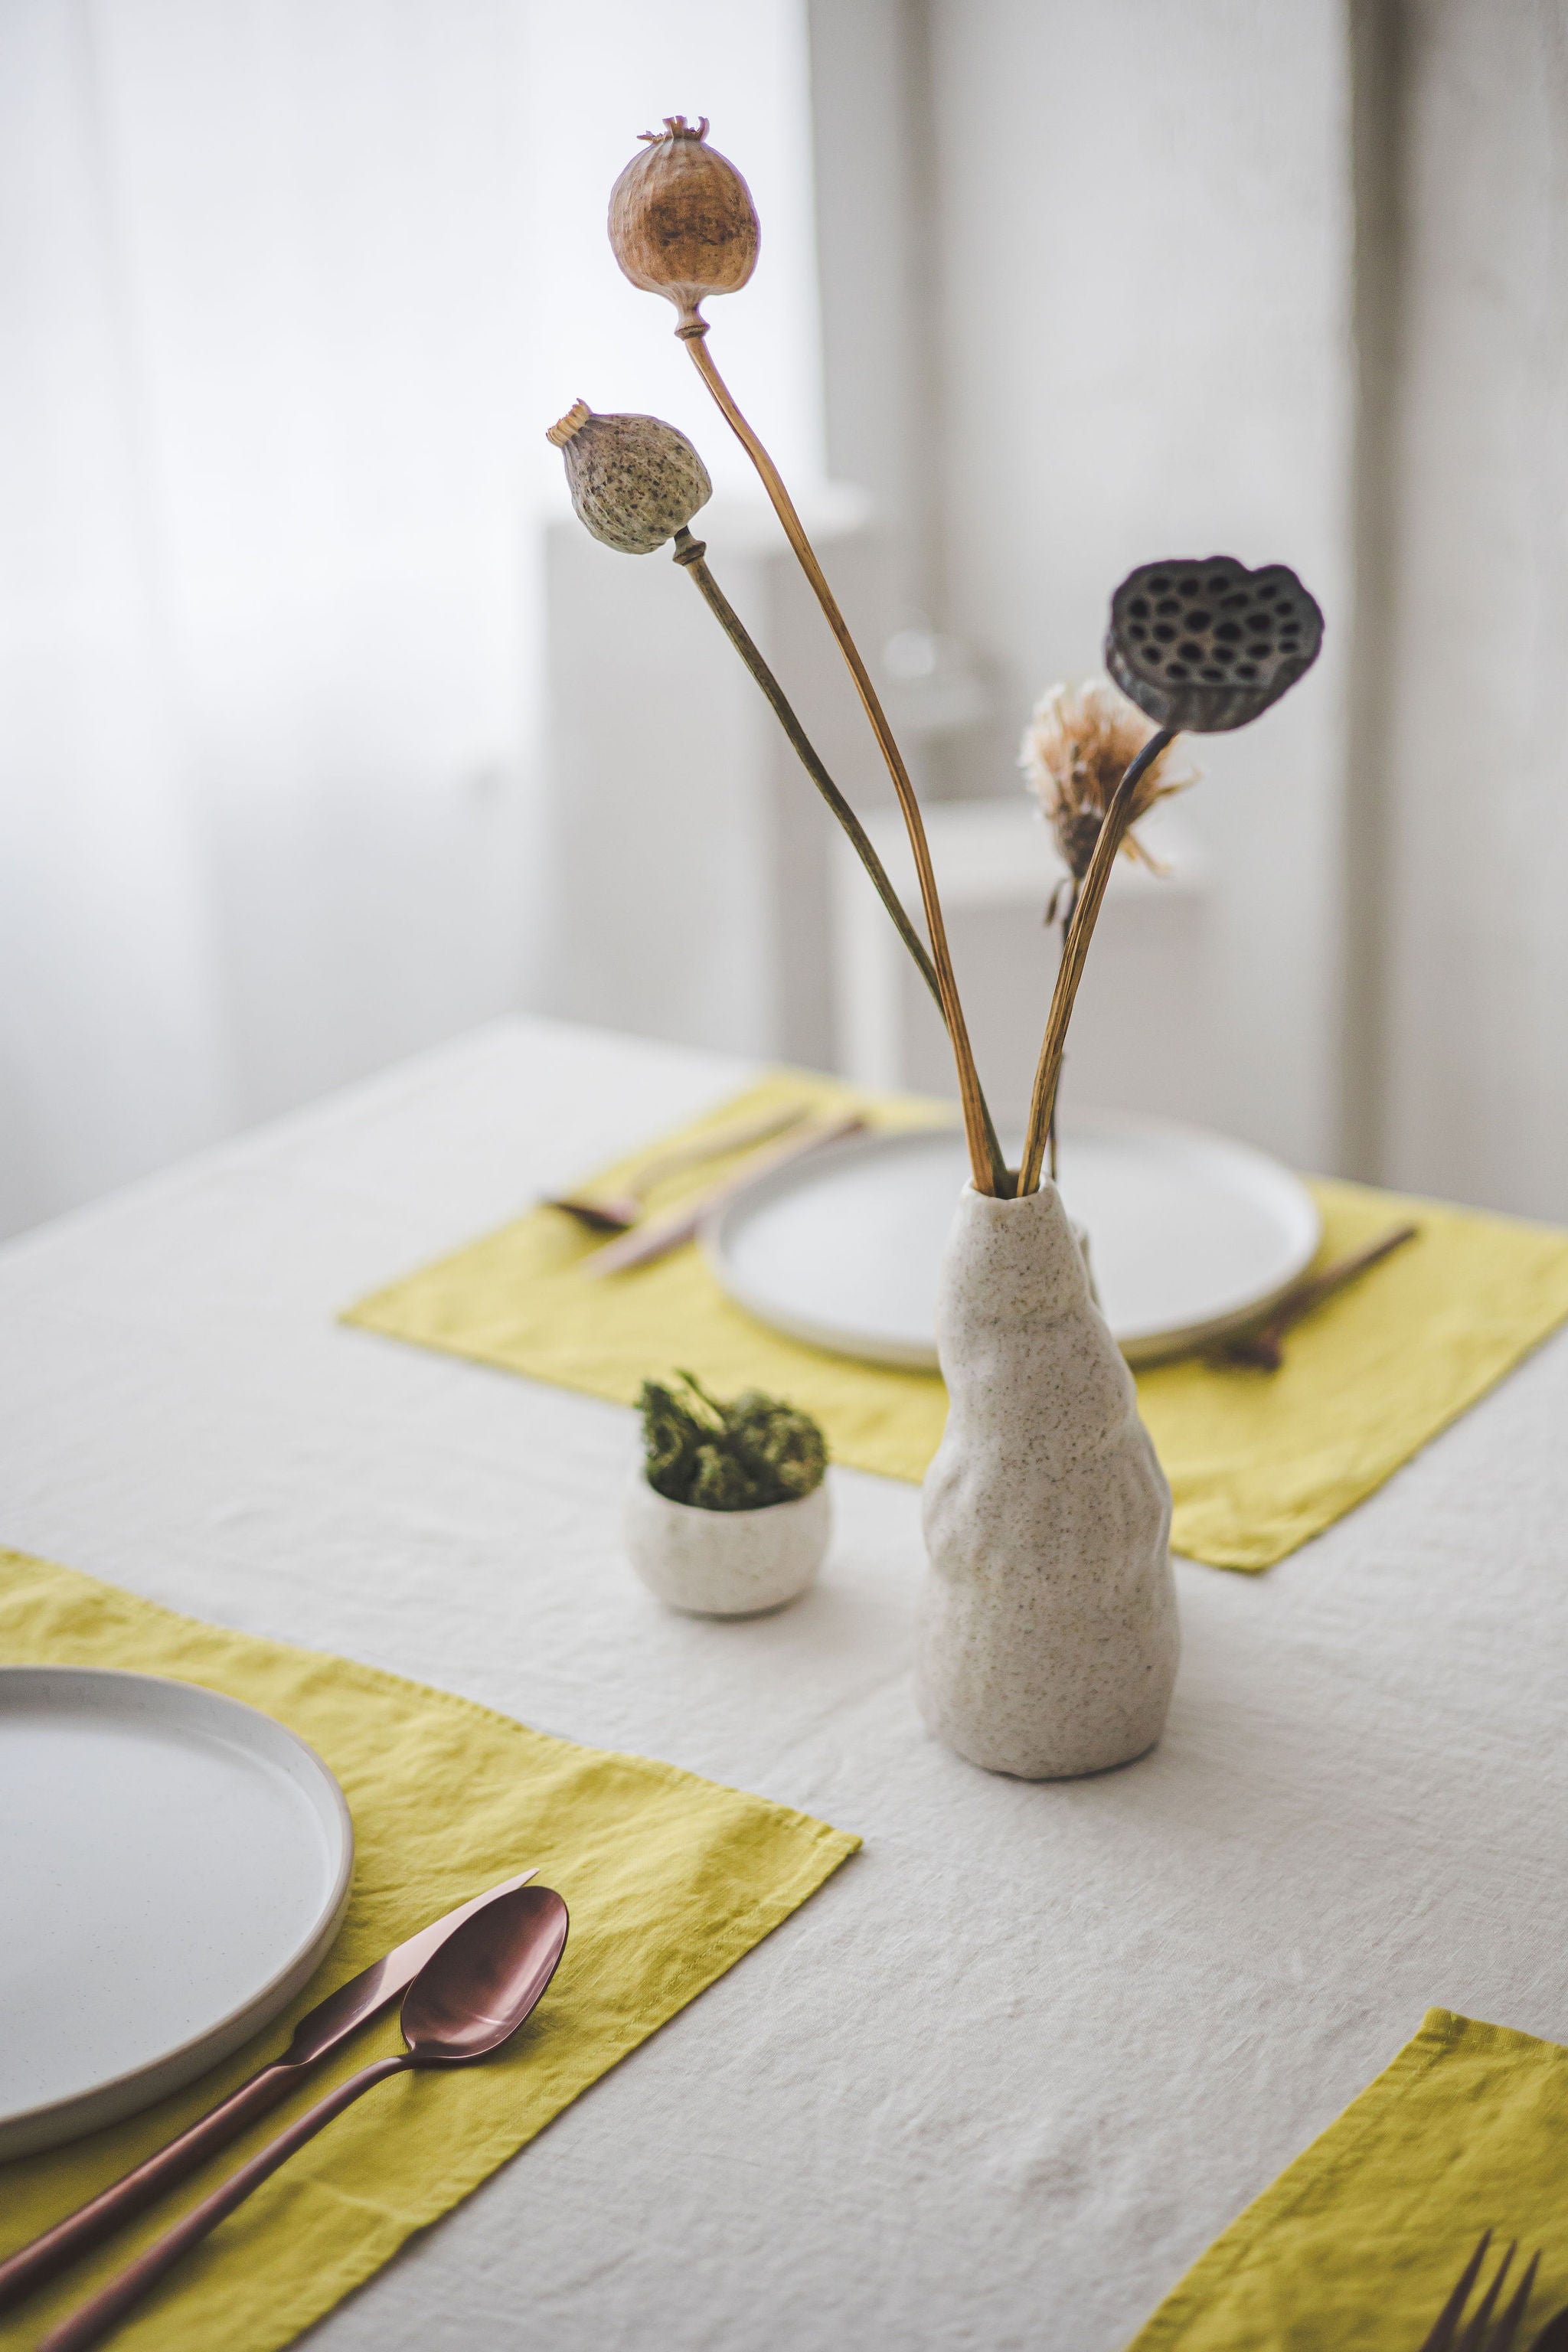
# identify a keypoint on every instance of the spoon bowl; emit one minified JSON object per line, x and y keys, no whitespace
{"x":474,"y":1994}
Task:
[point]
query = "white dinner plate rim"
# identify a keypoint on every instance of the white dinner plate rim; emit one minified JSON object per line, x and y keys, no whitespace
{"x":1149,"y":1344}
{"x":54,"y":2123}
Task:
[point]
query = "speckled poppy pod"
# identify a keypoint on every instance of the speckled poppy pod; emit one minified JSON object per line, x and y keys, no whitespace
{"x":1209,"y":646}
{"x":682,"y":222}
{"x":634,"y":480}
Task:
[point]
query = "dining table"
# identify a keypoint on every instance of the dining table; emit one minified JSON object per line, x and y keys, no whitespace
{"x":1016,"y":2064}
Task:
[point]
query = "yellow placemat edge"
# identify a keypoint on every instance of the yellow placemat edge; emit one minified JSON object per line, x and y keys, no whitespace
{"x":381,"y":1678}
{"x":1198,"y":2289}
{"x":1253,"y":1554}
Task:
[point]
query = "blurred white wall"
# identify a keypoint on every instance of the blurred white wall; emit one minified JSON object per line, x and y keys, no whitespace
{"x":262,"y":611}
{"x":1472,"y":856}
{"x":290,"y":289}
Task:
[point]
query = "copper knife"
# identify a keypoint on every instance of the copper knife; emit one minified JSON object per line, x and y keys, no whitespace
{"x":320,"y":2029}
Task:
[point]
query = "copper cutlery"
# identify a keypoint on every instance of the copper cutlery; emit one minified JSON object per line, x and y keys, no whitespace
{"x":1262,"y":1347}
{"x":471,"y":1995}
{"x":656,"y":1236}
{"x":323,"y":2029}
{"x":614,"y":1213}
{"x":1452,"y":2331}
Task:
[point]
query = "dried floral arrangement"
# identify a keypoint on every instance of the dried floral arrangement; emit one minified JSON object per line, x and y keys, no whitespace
{"x":1193,"y":646}
{"x":739,"y":1456}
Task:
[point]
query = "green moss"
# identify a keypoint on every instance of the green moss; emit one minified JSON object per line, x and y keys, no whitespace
{"x":728,"y":1457}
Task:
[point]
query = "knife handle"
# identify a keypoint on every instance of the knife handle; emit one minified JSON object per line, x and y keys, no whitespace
{"x":31,"y":2265}
{"x":103,"y":2312}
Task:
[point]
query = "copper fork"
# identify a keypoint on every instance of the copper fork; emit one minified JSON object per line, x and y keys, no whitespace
{"x":1262,"y":1347}
{"x":618,"y":1212}
{"x":1481,"y":2332}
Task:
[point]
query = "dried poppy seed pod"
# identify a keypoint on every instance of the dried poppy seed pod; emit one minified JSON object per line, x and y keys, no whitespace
{"x":1209,"y":646}
{"x":682,"y":222}
{"x":634,"y":480}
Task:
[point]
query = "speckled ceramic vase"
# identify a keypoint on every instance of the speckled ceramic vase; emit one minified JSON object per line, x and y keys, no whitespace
{"x":1048,"y":1638}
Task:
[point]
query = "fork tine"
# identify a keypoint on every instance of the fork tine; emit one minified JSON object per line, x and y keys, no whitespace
{"x":1553,"y":2337}
{"x":1474,"y":2338}
{"x":1512,"y":2319}
{"x":1441,"y":2339}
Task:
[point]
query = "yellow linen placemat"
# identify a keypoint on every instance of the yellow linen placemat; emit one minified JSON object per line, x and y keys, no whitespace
{"x":1357,"y":2244}
{"x":1257,"y":1463}
{"x":669,"y":1880}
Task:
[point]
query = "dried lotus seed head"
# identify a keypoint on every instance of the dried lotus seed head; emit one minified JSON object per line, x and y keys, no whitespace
{"x":634,"y":480}
{"x":1209,"y":646}
{"x":682,"y":222}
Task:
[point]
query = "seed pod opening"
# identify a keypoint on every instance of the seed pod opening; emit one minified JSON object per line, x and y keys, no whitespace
{"x":1209,"y":646}
{"x":682,"y":222}
{"x":634,"y":480}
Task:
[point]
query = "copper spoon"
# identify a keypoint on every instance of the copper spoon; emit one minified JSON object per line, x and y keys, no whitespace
{"x":467,"y":1998}
{"x":321,"y":2030}
{"x":616,"y":1212}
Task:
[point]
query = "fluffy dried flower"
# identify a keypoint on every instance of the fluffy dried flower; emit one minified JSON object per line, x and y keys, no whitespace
{"x":634,"y":480}
{"x":682,"y":222}
{"x":1076,"y":748}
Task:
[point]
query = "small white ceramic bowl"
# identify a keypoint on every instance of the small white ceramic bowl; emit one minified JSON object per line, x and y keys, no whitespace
{"x":726,"y":1563}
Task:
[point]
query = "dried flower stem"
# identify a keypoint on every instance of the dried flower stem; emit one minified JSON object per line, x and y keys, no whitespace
{"x":989,"y":1174}
{"x":1118,"y":817}
{"x":1069,"y":911}
{"x":689,"y":553}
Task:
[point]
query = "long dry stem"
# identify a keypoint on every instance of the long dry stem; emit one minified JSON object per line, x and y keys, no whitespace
{"x":1069,"y":911}
{"x":1069,"y":972}
{"x":689,"y":553}
{"x":985,"y":1165}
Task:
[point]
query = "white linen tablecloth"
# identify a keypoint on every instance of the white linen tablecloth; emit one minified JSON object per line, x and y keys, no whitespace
{"x":1009,"y":2072}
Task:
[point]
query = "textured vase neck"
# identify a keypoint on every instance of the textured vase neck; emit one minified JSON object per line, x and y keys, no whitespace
{"x":1015,"y":1260}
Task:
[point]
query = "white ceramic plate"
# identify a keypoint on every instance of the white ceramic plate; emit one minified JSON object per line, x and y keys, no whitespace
{"x":173,"y":1867}
{"x":1189,"y":1236}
